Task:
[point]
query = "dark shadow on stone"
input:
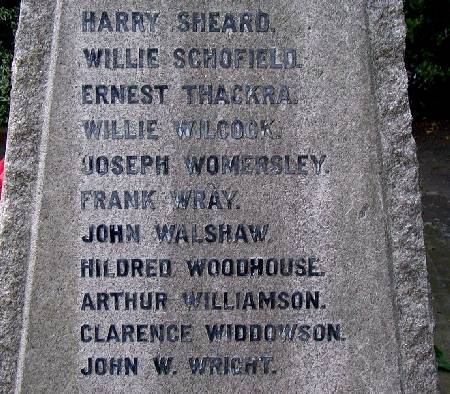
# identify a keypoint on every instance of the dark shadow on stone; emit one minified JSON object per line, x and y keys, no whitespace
{"x":433,"y":143}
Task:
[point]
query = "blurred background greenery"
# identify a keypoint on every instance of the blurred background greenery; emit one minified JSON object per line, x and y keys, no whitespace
{"x":428,"y":56}
{"x":9,"y":12}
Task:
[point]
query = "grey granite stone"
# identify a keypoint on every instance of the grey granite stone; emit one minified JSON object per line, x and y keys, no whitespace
{"x":30,"y":77}
{"x":357,"y":214}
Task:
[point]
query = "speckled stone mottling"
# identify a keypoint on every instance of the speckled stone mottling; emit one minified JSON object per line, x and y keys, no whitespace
{"x":361,"y":216}
{"x":30,"y":72}
{"x":402,"y":198}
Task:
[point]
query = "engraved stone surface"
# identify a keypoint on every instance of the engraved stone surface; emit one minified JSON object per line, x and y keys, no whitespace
{"x":212,"y":196}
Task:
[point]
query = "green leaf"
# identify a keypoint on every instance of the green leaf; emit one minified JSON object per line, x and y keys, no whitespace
{"x":442,"y":363}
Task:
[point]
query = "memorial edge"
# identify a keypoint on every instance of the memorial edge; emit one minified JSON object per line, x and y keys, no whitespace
{"x":402,"y":198}
{"x":17,"y":211}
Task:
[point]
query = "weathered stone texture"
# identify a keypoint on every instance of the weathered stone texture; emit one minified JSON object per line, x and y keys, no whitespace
{"x":30,"y":78}
{"x":402,"y":198}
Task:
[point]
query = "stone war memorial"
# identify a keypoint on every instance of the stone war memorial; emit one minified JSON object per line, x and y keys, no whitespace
{"x":212,"y":196}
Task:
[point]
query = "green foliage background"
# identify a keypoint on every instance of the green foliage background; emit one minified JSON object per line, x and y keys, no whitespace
{"x":427,"y":56}
{"x":8,"y":22}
